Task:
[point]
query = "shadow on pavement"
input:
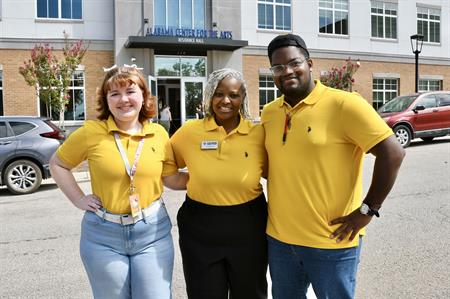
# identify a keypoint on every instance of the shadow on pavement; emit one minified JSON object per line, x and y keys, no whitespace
{"x":420,"y":142}
{"x":44,"y":187}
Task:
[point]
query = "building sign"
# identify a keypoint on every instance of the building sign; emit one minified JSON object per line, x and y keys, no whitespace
{"x":191,"y":35}
{"x":166,"y":39}
{"x":191,"y":40}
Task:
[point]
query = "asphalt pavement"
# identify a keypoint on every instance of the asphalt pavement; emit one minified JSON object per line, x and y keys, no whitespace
{"x":405,"y":253}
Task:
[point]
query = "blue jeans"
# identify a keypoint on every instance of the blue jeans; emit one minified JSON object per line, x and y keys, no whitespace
{"x":132,"y":261}
{"x":332,"y":272}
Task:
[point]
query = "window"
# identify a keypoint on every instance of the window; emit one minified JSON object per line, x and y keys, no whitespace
{"x":383,"y":90}
{"x":185,"y":14}
{"x":333,"y":17}
{"x":75,"y":107}
{"x":171,"y":66}
{"x":3,"y":130}
{"x":59,"y":9}
{"x":443,"y":99}
{"x":20,"y":128}
{"x":427,"y":101}
{"x":1,"y":93}
{"x":267,"y":91}
{"x":429,"y":24}
{"x":384,"y":20}
{"x":274,"y":14}
{"x":430,"y":85}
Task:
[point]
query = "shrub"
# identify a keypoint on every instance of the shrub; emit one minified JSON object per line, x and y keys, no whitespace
{"x":341,"y":78}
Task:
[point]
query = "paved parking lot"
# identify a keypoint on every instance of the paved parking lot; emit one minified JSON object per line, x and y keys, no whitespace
{"x":405,"y":254}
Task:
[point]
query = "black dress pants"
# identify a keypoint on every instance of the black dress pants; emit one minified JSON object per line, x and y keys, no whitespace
{"x":224,"y":249}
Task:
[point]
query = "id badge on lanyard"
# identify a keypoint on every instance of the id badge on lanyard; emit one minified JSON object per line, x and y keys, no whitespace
{"x":133,"y":195}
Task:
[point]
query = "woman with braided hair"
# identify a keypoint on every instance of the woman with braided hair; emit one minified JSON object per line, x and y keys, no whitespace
{"x":222,"y":222}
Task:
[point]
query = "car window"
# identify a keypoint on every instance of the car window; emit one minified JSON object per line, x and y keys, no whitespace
{"x":428,"y":101}
{"x":397,"y":104}
{"x":21,"y":127}
{"x":444,"y":99}
{"x":3,"y":131}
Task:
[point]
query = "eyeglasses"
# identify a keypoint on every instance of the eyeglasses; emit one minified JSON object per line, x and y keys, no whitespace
{"x":293,"y":65}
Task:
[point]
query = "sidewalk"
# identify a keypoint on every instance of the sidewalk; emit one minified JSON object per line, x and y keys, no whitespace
{"x":81,"y":176}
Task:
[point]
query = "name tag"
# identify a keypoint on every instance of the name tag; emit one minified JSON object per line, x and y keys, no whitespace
{"x":209,"y":145}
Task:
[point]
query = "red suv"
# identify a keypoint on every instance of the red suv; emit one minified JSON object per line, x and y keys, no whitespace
{"x":420,"y":115}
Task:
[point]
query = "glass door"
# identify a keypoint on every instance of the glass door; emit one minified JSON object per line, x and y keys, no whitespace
{"x":191,"y":96}
{"x":152,"y":85}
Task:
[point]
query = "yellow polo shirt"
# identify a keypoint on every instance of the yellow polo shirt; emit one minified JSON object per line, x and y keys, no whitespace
{"x":316,"y":175}
{"x":226,"y":170}
{"x":95,"y":142}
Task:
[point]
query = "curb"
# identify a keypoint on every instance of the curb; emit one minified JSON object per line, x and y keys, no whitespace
{"x":81,"y":176}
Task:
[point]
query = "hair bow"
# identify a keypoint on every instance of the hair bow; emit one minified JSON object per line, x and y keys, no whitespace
{"x":107,"y":69}
{"x":133,"y":66}
{"x":125,"y":65}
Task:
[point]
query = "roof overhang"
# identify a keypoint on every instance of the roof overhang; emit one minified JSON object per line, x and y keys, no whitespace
{"x":185,"y":43}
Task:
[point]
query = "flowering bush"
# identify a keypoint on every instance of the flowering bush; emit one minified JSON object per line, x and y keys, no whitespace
{"x":51,"y":77}
{"x":341,"y":78}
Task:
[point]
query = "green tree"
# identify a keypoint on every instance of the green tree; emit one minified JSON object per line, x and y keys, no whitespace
{"x":341,"y":78}
{"x":50,"y":76}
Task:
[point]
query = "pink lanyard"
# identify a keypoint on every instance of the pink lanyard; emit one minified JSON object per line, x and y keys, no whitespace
{"x":130,"y":170}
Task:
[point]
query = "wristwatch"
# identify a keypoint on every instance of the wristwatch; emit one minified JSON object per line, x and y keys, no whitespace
{"x":366,"y":210}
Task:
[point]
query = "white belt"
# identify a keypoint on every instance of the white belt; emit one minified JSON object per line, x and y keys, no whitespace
{"x":127,"y":219}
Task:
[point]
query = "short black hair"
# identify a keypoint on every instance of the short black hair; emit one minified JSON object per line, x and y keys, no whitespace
{"x":286,"y":40}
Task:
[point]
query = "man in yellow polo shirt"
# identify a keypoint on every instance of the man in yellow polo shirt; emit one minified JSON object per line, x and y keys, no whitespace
{"x":316,"y":138}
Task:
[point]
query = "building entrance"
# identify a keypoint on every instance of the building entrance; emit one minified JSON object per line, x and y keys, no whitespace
{"x":169,"y":95}
{"x":180,"y":82}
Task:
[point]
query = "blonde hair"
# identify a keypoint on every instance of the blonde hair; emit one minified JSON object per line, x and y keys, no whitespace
{"x":125,"y":76}
{"x":213,"y":81}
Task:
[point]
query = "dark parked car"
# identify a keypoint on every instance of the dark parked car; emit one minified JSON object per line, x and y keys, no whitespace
{"x":420,"y":115}
{"x":26,"y":145}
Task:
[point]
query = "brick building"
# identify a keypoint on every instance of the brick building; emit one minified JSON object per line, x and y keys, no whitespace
{"x":178,"y":43}
{"x":23,"y":24}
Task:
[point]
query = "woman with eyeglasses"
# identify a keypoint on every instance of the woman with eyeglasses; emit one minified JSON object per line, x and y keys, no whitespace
{"x":126,"y":244}
{"x":222,"y":222}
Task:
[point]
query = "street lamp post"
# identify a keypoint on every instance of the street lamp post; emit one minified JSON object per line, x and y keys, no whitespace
{"x":416,"y":45}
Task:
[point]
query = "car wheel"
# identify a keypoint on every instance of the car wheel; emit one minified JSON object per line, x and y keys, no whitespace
{"x":22,"y":177}
{"x":427,"y":139}
{"x":403,"y":134}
